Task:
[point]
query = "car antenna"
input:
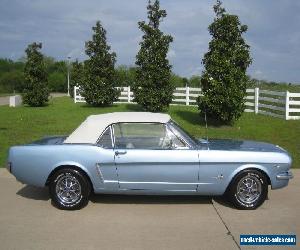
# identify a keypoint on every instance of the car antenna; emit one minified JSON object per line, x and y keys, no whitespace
{"x":206,"y":128}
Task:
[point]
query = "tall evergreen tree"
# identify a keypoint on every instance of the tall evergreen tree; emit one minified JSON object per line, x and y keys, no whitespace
{"x":36,"y":91}
{"x":153,"y":89}
{"x":224,"y":78}
{"x":98,"y":86}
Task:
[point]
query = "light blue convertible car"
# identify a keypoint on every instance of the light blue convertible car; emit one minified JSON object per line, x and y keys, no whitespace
{"x":148,"y":153}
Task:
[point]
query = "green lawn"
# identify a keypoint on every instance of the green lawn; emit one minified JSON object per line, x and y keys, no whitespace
{"x":25,"y":124}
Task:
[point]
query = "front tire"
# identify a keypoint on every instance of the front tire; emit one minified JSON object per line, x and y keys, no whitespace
{"x":69,"y":189}
{"x":248,"y":190}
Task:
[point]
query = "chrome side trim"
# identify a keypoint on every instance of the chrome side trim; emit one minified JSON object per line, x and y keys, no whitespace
{"x":110,"y":181}
{"x":179,"y":135}
{"x":285,"y":175}
{"x":98,"y":170}
{"x":112,"y":136}
{"x":166,"y":183}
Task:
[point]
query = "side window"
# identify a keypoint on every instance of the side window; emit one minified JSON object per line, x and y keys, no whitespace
{"x":139,"y":135}
{"x":145,"y":136}
{"x":105,"y":140}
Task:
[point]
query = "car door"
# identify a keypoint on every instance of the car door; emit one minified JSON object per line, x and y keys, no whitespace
{"x":149,"y":156}
{"x":106,"y":174}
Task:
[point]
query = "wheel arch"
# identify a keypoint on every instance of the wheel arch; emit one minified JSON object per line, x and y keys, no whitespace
{"x":249,"y":167}
{"x":75,"y":167}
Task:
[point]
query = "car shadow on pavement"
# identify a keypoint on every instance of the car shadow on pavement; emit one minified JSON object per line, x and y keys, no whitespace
{"x":34,"y":193}
{"x":223,"y":201}
{"x":149,"y":199}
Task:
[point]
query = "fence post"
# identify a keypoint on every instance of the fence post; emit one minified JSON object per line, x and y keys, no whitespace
{"x":187,"y":95}
{"x":128,"y":94}
{"x":75,"y":94}
{"x":287,"y":105}
{"x":256,"y":100}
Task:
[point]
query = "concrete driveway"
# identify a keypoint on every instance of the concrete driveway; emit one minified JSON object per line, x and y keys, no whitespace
{"x":29,"y":221}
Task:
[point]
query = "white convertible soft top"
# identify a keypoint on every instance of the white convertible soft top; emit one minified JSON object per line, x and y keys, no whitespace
{"x":90,"y":130}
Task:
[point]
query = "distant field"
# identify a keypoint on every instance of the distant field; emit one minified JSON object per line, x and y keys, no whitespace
{"x":62,"y":116}
{"x":266,"y":86}
{"x":6,"y":94}
{"x":280,"y":87}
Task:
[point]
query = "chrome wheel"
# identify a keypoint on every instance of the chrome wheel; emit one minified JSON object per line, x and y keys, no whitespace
{"x":249,"y":189}
{"x":68,"y":189}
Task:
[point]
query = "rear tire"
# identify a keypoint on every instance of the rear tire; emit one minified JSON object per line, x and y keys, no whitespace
{"x":69,"y":189}
{"x":248,"y":190}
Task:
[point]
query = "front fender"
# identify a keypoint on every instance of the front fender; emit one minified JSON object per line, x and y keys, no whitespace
{"x":271,"y":170}
{"x":262,"y":168}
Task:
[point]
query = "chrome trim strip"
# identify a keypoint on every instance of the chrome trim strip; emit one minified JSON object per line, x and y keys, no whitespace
{"x":112,"y":135}
{"x":98,"y":170}
{"x":164,"y":183}
{"x":285,"y":176}
{"x":110,"y":181}
{"x":179,"y":135}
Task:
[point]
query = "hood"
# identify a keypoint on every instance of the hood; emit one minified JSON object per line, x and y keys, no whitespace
{"x":49,"y":140}
{"x":242,"y":145}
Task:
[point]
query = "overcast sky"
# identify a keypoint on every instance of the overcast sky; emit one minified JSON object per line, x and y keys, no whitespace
{"x":63,"y":26}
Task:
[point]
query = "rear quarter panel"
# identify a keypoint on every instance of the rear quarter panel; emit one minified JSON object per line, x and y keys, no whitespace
{"x":33,"y":164}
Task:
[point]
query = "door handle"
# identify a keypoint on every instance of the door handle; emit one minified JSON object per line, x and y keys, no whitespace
{"x":122,"y":152}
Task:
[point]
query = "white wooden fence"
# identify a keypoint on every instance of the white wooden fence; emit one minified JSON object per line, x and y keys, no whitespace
{"x":284,"y":105}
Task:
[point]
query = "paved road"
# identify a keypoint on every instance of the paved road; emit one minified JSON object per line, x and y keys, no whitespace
{"x":4,"y":100}
{"x":29,"y":221}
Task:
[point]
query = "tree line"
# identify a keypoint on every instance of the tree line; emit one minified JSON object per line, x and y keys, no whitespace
{"x":223,"y":81}
{"x":12,"y":75}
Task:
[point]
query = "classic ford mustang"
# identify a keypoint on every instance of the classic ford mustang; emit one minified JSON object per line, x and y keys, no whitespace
{"x":148,"y":153}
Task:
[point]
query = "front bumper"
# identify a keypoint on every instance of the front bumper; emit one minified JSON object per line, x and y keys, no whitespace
{"x":285,"y":175}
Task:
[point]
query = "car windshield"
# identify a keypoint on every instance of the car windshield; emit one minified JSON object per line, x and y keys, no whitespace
{"x":183,"y":132}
